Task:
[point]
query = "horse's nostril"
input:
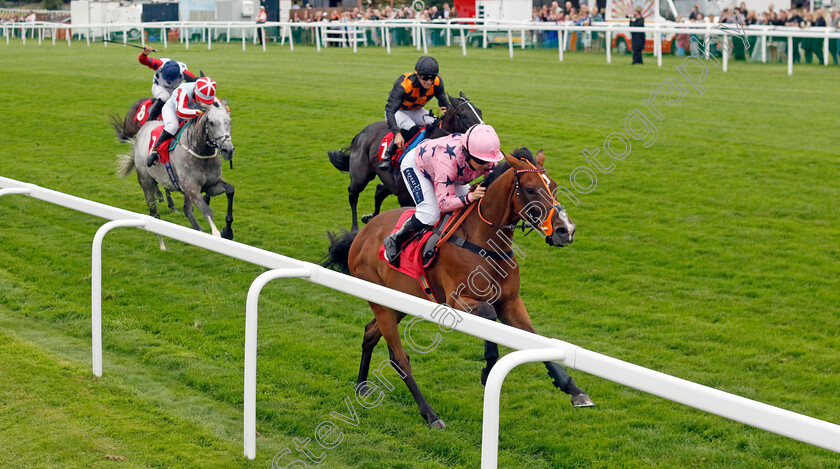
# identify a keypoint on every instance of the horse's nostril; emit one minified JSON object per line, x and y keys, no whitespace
{"x":562,"y":230}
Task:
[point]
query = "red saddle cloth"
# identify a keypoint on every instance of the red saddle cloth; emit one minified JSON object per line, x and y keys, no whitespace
{"x":411,"y":256}
{"x":164,"y":149}
{"x":386,"y":141}
{"x":142,"y":113}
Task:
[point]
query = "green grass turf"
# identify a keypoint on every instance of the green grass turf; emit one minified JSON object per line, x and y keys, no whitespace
{"x":712,"y":256}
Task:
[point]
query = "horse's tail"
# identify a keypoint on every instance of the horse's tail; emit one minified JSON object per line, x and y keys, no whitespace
{"x":340,"y":159}
{"x":119,"y":127}
{"x":339,"y":251}
{"x":125,"y":164}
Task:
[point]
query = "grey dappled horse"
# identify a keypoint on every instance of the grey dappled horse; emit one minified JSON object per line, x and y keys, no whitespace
{"x":196,"y":164}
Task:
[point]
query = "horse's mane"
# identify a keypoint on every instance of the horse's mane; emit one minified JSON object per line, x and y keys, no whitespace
{"x":522,"y":153}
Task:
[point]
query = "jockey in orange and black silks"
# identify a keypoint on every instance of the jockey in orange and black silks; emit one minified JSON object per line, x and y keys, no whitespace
{"x":404,"y":110}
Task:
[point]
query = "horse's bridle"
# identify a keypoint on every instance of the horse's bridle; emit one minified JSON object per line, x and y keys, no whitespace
{"x":545,"y":225}
{"x":209,"y":141}
{"x":458,"y":116}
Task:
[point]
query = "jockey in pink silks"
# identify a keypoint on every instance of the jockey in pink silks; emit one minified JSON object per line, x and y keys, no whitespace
{"x":437,"y":174}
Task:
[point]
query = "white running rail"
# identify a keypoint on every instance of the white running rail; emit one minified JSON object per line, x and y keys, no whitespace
{"x":782,"y":422}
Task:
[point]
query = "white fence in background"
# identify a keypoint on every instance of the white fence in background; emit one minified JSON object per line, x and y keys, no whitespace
{"x":324,"y":32}
{"x":530,"y":347}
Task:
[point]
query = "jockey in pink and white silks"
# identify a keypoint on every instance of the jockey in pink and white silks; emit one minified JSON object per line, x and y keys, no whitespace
{"x":437,"y":173}
{"x":187,"y":101}
{"x":169,"y":74}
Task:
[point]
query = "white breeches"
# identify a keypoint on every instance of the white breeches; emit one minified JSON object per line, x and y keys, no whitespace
{"x":170,"y":117}
{"x":408,"y":119}
{"x":422,"y":191}
{"x":160,"y":92}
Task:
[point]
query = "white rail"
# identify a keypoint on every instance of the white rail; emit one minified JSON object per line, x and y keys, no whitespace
{"x":419,"y":32}
{"x":783,"y":422}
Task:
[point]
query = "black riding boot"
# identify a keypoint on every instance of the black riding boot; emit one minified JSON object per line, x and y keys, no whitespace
{"x":154,"y":111}
{"x":385,"y":165}
{"x":154,"y":155}
{"x":394,"y":242}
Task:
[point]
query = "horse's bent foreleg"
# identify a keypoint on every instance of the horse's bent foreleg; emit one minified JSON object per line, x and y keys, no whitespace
{"x":387,"y":320}
{"x":484,"y":310}
{"x":222,"y":187}
{"x":188,"y":203}
{"x":517,"y":316}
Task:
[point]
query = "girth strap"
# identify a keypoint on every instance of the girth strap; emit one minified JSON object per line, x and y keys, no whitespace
{"x":483,"y":252}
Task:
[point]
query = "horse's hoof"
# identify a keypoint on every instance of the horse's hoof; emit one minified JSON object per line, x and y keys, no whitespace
{"x":362,"y":390}
{"x":227,"y":233}
{"x":367,"y":218}
{"x":437,"y":425}
{"x":484,"y":375}
{"x":582,"y":400}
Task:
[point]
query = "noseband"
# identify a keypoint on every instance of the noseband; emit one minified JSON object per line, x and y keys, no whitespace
{"x":211,"y":142}
{"x":544,"y":225}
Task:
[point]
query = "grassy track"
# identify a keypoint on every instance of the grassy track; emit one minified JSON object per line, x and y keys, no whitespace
{"x":713,"y":255}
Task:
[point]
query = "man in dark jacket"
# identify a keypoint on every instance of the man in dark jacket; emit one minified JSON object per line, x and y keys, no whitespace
{"x":637,"y":40}
{"x":404,"y":109}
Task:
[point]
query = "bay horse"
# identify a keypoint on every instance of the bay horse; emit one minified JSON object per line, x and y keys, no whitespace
{"x":195,"y":163}
{"x":518,"y":190}
{"x":128,"y":126}
{"x":361,"y":159}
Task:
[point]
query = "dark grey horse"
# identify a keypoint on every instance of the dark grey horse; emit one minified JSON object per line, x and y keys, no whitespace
{"x":195,"y":163}
{"x":361,"y":159}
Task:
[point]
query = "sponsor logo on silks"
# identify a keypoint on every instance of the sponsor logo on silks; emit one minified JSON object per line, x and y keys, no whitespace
{"x":414,"y":184}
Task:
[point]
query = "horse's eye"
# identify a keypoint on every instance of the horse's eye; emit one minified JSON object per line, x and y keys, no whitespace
{"x":530,"y":191}
{"x":212,"y":123}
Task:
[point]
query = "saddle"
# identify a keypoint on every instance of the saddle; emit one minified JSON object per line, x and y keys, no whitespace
{"x":173,"y":142}
{"x":420,"y":251}
{"x":412,"y":142}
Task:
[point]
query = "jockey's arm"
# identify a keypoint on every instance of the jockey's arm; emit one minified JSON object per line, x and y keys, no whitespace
{"x":395,"y":99}
{"x":150,"y":62}
{"x":442,"y":99}
{"x":182,"y":105}
{"x":448,"y":200}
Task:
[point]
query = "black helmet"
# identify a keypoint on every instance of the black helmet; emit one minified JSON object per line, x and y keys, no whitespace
{"x":426,"y":66}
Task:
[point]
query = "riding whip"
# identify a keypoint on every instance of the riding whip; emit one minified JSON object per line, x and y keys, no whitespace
{"x":125,"y":44}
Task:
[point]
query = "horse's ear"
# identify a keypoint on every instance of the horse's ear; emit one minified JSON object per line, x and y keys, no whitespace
{"x":540,"y":158}
{"x":200,"y":74}
{"x":463,"y":96}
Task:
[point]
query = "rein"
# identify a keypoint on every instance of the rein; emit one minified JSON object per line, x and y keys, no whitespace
{"x":544,"y":224}
{"x":458,"y":116}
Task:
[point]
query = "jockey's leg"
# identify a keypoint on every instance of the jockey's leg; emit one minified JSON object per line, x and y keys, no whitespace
{"x":154,"y":111}
{"x":426,"y":213}
{"x":161,"y":96}
{"x":170,"y":128}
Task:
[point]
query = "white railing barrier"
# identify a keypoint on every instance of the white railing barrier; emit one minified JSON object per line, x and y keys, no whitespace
{"x":96,"y":287}
{"x":782,"y":422}
{"x":493,"y":392}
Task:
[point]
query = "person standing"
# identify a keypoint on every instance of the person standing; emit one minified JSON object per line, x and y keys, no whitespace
{"x":261,"y":19}
{"x":637,"y":40}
